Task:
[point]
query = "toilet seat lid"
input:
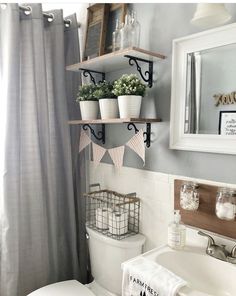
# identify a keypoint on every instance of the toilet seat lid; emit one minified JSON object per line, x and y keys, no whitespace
{"x":66,"y":288}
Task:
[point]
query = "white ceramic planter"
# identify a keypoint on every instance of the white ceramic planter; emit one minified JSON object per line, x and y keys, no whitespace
{"x":108,"y":108}
{"x":89,"y":109}
{"x":129,"y":106}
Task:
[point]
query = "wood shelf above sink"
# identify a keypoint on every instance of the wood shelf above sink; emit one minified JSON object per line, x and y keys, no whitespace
{"x":205,"y":217}
{"x":115,"y":61}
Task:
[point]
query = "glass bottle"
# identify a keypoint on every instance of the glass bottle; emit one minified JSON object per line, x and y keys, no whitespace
{"x":135,"y":30}
{"x":122,"y":36}
{"x":225,"y":204}
{"x":116,"y":37}
{"x":189,"y":197}
{"x":125,"y":33}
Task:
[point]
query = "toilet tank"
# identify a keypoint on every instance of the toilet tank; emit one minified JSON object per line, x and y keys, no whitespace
{"x":106,"y":256}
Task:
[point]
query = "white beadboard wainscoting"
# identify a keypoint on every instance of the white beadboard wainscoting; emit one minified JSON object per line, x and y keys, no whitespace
{"x":156,"y":191}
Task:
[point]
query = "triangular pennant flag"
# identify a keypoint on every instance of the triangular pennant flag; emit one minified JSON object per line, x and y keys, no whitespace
{"x":117,"y":155}
{"x":98,"y":153}
{"x":84,"y":140}
{"x":136,"y":143}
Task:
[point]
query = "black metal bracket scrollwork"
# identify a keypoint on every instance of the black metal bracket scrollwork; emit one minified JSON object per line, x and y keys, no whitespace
{"x":148,"y":75}
{"x":100,"y":135}
{"x":89,"y":73}
{"x":147,"y":134}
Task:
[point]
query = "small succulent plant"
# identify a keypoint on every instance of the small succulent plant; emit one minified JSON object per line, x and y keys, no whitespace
{"x":129,"y":85}
{"x":104,"y":90}
{"x":86,"y":93}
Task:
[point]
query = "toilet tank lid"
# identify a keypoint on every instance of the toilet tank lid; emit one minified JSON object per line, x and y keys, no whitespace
{"x":72,"y":288}
{"x":128,"y":242}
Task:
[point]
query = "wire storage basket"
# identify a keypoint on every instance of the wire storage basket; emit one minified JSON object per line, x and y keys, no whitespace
{"x":111,"y":213}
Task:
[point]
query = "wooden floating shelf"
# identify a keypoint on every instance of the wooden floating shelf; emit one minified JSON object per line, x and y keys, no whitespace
{"x":87,"y":124}
{"x":115,"y":61}
{"x":115,"y":120}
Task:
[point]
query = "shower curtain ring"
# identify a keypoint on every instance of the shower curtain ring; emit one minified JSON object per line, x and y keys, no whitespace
{"x":51,"y":17}
{"x":68,"y":23}
{"x":27,"y":10}
{"x":3,"y":5}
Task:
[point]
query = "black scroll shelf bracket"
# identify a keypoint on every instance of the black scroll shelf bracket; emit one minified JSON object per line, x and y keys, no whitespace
{"x":148,"y":75}
{"x":147,"y":134}
{"x":89,"y":73}
{"x":100,"y":136}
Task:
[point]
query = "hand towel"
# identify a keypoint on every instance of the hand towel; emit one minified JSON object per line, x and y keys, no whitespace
{"x":143,"y":277}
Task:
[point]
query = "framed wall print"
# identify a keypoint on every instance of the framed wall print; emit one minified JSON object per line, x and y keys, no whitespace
{"x":96,"y":30}
{"x":227,"y":123}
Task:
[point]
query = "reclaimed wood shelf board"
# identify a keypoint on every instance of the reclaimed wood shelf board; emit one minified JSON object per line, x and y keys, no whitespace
{"x":115,"y":61}
{"x":115,"y":120}
{"x":205,"y":217}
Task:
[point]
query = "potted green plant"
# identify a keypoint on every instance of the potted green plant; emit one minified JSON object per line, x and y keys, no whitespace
{"x":107,"y":100}
{"x":129,"y":89}
{"x":88,"y":102}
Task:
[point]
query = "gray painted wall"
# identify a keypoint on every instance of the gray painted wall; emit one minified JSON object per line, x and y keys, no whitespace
{"x":160,"y":24}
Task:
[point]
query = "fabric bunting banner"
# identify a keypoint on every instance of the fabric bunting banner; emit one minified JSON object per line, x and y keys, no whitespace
{"x":136,"y":143}
{"x":117,"y":155}
{"x":98,"y":153}
{"x":84,"y":140}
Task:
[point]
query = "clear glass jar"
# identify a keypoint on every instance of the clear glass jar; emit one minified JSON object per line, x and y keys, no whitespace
{"x":189,"y":197}
{"x":225,"y":204}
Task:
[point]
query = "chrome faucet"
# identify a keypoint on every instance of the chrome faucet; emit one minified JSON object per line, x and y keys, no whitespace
{"x":232,"y":257}
{"x":233,"y":252}
{"x":219,"y":252}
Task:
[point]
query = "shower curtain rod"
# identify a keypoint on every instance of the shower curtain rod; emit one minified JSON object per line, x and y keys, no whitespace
{"x":47,"y":15}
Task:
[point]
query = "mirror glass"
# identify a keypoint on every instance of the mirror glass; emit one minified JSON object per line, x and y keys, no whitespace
{"x":210,"y":106}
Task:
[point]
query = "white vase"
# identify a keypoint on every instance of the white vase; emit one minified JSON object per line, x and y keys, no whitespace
{"x":108,"y":108}
{"x":129,"y":106}
{"x":89,"y":109}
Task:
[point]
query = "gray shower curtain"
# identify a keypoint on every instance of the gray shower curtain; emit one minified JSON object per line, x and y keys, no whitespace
{"x":39,"y":213}
{"x":73,"y":79}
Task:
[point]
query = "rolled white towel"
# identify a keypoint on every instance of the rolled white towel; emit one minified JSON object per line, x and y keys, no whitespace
{"x":147,"y":278}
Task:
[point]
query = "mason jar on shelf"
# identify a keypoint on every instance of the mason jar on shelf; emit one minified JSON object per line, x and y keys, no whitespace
{"x":225,"y":204}
{"x":189,"y":196}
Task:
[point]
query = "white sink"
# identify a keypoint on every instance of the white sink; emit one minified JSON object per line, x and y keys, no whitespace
{"x":205,"y":275}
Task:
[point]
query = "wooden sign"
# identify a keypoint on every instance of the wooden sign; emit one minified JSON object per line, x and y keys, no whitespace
{"x":96,"y":30}
{"x":117,"y":11}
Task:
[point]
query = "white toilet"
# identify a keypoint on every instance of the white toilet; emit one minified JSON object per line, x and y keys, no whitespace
{"x":106,"y":256}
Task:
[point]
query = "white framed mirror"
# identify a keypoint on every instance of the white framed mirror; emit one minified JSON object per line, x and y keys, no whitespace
{"x":203,"y":92}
